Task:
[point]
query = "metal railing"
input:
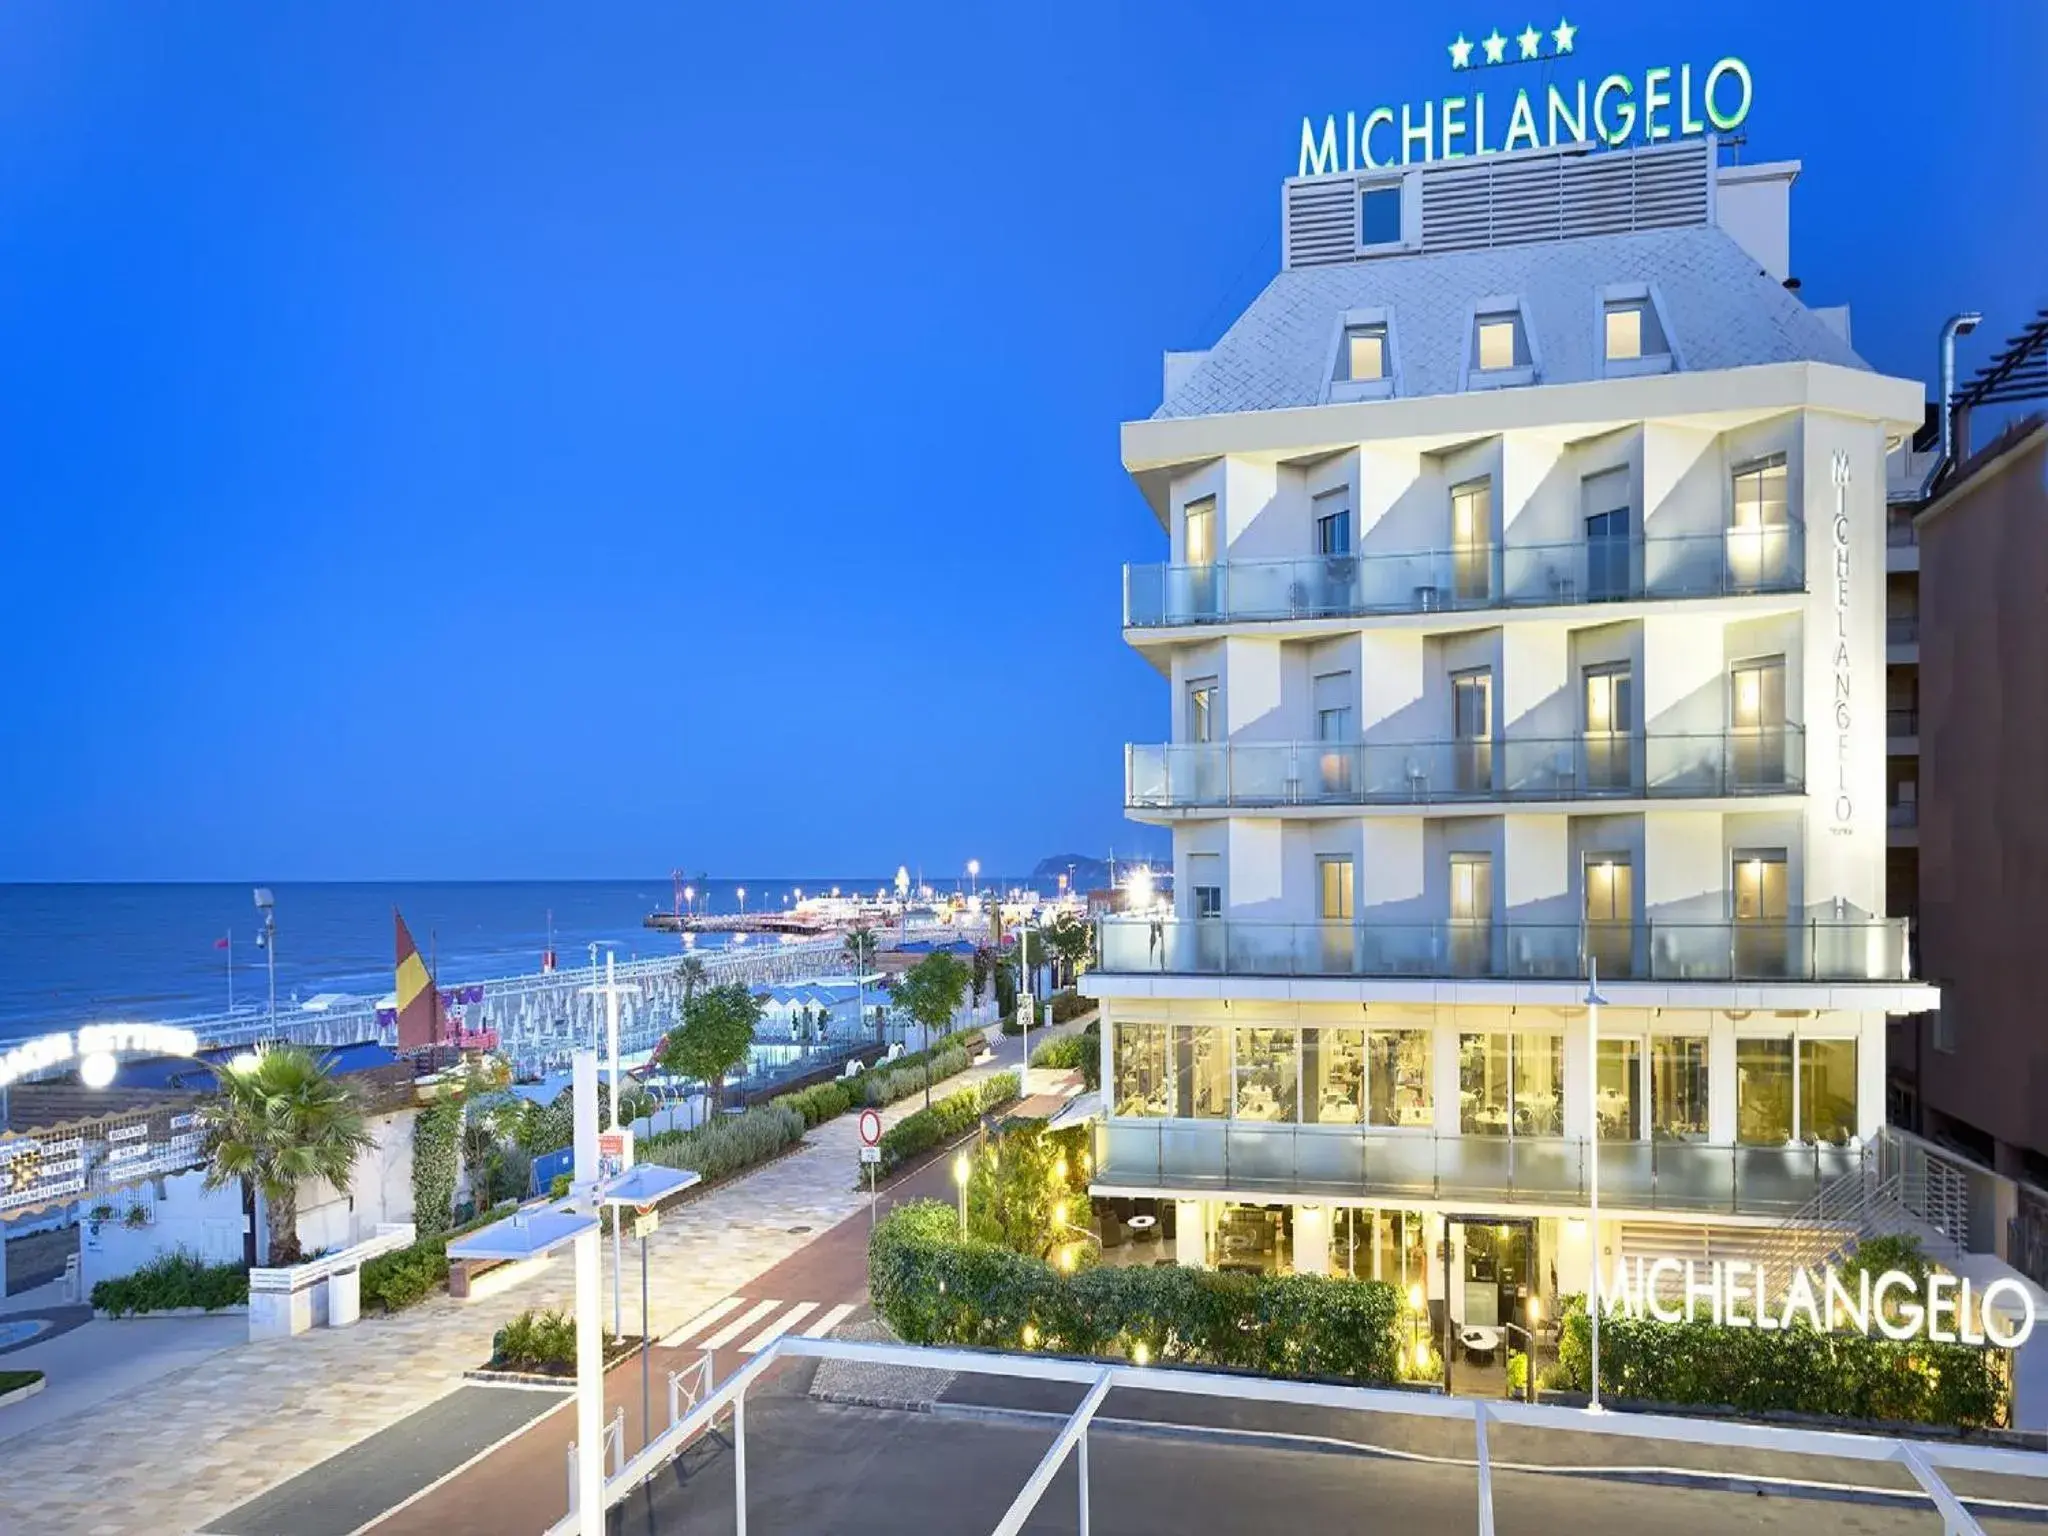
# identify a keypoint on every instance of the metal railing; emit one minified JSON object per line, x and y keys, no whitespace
{"x":1902,"y":629}
{"x":1732,"y":562}
{"x":1819,"y":949}
{"x":1922,"y":1458}
{"x":1902,"y":813}
{"x":615,"y":1452}
{"x":1230,"y":1156}
{"x":1597,"y":766}
{"x":1902,"y":722}
{"x":1900,"y":533}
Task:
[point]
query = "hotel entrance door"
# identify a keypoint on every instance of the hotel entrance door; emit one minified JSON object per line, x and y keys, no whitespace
{"x":1488,"y":1263}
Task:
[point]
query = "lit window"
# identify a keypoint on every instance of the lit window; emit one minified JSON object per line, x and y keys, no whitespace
{"x":1624,"y":333}
{"x":1497,"y":343}
{"x":1365,"y":353}
{"x":1379,"y":216}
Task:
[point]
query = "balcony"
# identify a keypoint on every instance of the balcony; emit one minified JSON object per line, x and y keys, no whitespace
{"x":1817,"y":949}
{"x":1198,"y":1156}
{"x":1735,"y":562}
{"x":1902,"y":629}
{"x":1599,"y":766}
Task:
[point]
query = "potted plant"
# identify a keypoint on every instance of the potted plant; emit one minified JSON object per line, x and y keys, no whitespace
{"x":138,"y":1216}
{"x":99,"y":1215}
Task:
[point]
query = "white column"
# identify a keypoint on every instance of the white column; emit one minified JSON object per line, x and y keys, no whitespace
{"x":1189,"y":1247}
{"x":589,"y":1320}
{"x":1311,"y":1240}
{"x":1720,"y":1079}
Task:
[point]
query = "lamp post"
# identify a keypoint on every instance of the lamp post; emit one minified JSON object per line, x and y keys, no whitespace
{"x":974,"y":877}
{"x":1593,"y":1002}
{"x":743,"y":901}
{"x":690,"y":900}
{"x":267,"y":937}
{"x":961,"y":1169}
{"x":903,"y":899}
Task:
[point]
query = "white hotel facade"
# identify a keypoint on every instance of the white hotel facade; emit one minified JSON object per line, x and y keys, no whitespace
{"x":1523,"y":613}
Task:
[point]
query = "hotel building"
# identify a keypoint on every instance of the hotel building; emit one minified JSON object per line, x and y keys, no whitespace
{"x":1522,"y":618}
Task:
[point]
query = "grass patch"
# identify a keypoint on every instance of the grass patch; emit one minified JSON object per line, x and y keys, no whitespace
{"x":14,"y":1381}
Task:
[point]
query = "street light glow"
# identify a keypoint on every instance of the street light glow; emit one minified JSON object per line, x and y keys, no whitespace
{"x":1139,"y":891}
{"x":961,"y":1169}
{"x":97,"y":1070}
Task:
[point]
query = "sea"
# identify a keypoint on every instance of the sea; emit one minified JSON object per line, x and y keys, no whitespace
{"x":79,"y":954}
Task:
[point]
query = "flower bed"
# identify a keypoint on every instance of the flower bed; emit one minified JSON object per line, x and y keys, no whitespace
{"x":729,"y":1143}
{"x":946,"y":1118}
{"x":932,"y":1288}
{"x":1082,"y":1051}
{"x":17,"y":1381}
{"x":173,"y":1281}
{"x":543,"y":1343}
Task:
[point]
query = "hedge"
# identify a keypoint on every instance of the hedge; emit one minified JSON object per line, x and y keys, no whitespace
{"x":729,"y":1143}
{"x":932,"y":1288}
{"x":1793,"y":1370}
{"x":175,"y":1279}
{"x":947,"y":1117}
{"x":394,"y":1281}
{"x":14,"y":1381}
{"x":1070,"y":1051}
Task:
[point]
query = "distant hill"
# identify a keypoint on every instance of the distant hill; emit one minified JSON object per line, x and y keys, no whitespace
{"x":1083,"y":872}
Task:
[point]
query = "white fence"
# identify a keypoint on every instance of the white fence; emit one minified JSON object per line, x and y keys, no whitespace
{"x":322,"y":1293}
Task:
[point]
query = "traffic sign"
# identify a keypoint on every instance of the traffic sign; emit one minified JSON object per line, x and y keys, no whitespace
{"x":644,"y":1223}
{"x":871,"y":1154}
{"x":870,"y":1128}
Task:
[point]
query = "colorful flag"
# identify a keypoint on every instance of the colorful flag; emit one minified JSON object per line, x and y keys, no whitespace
{"x":220,"y":943}
{"x":419,"y":1007}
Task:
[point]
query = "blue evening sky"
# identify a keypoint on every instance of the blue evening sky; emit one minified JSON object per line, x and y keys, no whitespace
{"x":503,"y":440}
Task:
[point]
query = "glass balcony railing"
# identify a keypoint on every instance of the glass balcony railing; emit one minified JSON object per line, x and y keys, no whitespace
{"x":1595,"y":766}
{"x":1658,"y":1175}
{"x":1729,"y":563}
{"x":1812,"y":949}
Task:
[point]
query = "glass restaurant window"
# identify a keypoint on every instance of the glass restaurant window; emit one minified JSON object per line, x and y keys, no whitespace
{"x":1268,"y":1082}
{"x":1618,"y":1101}
{"x":1397,"y":1083}
{"x":1678,"y":1088}
{"x":1483,"y":1085}
{"x":1141,"y":1069}
{"x":1539,"y":1083}
{"x":1763,"y":1092}
{"x":1333,"y":1061}
{"x":1827,"y":1092}
{"x":1201,"y":1071}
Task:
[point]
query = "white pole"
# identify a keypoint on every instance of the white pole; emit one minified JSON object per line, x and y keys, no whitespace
{"x":231,"y":970}
{"x":1593,"y":1165}
{"x":589,"y":1321}
{"x":611,"y":1032}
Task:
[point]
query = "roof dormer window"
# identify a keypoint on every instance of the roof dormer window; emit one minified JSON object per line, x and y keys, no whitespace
{"x":1365,"y":353}
{"x":1499,"y":342}
{"x":1631,"y":336}
{"x":1364,"y":357}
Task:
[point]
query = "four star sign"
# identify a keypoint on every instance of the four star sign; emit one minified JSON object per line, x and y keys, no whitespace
{"x":1529,"y":40}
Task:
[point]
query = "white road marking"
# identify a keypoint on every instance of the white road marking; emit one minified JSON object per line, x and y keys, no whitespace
{"x":781,"y":1325}
{"x":824,"y":1325}
{"x":702,"y":1320}
{"x":740,"y":1325}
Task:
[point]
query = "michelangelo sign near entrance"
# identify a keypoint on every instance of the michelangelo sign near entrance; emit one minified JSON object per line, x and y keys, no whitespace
{"x":1656,"y":104}
{"x":1943,"y":1309}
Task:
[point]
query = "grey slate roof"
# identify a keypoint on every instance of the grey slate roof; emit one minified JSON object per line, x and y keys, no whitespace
{"x":1721,"y":309}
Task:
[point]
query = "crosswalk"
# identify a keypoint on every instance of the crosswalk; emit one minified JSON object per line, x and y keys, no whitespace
{"x":758,"y":1322}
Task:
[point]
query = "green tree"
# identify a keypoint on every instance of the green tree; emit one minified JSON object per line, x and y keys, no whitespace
{"x":1071,"y":940}
{"x":1026,"y":1189}
{"x":276,"y":1121}
{"x":716,"y":1032}
{"x":984,"y":963}
{"x":930,"y":992}
{"x":691,"y":974}
{"x":1006,"y":988}
{"x":860,"y":950}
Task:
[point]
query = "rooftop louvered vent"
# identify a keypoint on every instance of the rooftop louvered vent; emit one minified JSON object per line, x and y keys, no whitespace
{"x":1509,"y":200}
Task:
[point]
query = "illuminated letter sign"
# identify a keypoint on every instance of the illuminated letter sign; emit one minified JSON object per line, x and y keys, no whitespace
{"x":46,"y":1051}
{"x":1894,"y":1305}
{"x":1658,"y":104}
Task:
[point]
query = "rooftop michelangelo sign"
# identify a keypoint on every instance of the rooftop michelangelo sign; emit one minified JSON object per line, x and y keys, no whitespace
{"x":46,"y":1051}
{"x":1944,"y":1309}
{"x":1659,"y":103}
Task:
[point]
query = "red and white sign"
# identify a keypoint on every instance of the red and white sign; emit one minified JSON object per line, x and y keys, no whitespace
{"x":870,"y":1128}
{"x":614,"y":1153}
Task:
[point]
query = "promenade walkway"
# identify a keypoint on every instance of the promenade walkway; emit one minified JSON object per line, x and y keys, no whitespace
{"x":209,"y":1438}
{"x":202,"y":1442}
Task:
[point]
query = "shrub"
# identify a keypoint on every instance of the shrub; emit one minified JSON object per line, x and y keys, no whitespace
{"x":540,"y":1341}
{"x":175,"y":1279}
{"x":729,"y":1143}
{"x":1794,"y":1370}
{"x":947,"y":1117}
{"x":1071,"y":1051}
{"x":435,"y":1132}
{"x":394,"y":1281}
{"x":1069,"y":1005}
{"x":14,"y":1381}
{"x":905,"y":1078}
{"x":932,"y":1288}
{"x":820,"y":1102}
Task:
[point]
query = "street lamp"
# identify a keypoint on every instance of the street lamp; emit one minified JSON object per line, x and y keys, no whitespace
{"x":903,"y":898}
{"x":266,"y":937}
{"x":974,"y":877}
{"x":743,"y":901}
{"x":690,"y":899}
{"x":961,"y":1169}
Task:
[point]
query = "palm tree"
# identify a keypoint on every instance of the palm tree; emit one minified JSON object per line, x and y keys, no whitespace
{"x":860,"y":950}
{"x":277,"y":1120}
{"x":692,"y":973}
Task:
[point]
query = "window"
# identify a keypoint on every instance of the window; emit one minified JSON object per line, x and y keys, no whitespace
{"x":1200,"y":518}
{"x":1483,"y":1085}
{"x":1201,"y":1071}
{"x":1333,"y":524}
{"x":1624,"y":333}
{"x":1208,"y":901}
{"x":1397,"y":1079}
{"x":1472,"y":732}
{"x":1202,"y":711}
{"x":1268,"y":1075}
{"x":1760,"y":500}
{"x":1333,"y":884}
{"x":1142,"y":1086}
{"x":1333,"y":1061}
{"x":1618,"y":1098}
{"x":1604,"y":505}
{"x":1363,"y":357}
{"x":1379,"y":217}
{"x":1763,"y":1092}
{"x":1538,"y":1071}
{"x":1678,"y":1087}
{"x":1472,"y":540}
{"x":1511,"y":1084}
{"x":1609,"y":880}
{"x":1499,"y":342}
{"x":1827,"y":1092}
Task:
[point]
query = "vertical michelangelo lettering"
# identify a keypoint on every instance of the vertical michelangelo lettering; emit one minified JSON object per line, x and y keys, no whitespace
{"x":1844,"y":807}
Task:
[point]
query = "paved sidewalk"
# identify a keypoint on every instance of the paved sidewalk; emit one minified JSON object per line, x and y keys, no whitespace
{"x":221,"y":1432}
